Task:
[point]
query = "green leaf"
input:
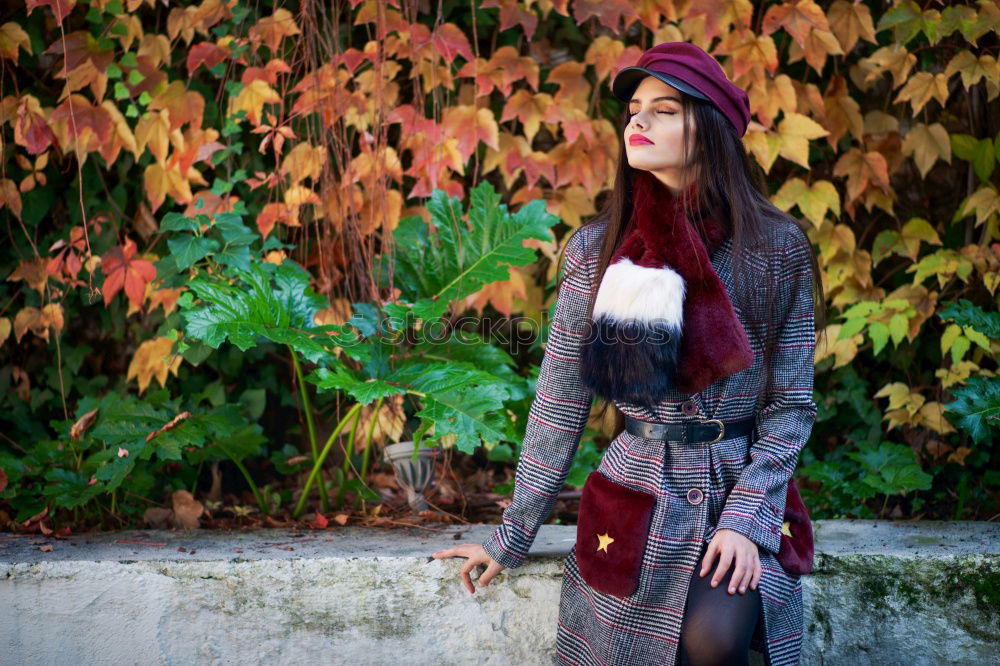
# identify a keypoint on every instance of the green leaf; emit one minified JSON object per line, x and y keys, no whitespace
{"x":267,"y":301}
{"x":135,"y":77}
{"x":852,"y":327}
{"x":178,"y":222}
{"x":977,"y":405}
{"x":958,"y":349}
{"x":977,"y":337}
{"x":898,"y":327}
{"x":983,"y":159}
{"x":435,"y":270}
{"x":949,"y":336}
{"x":965,"y":313}
{"x":879,"y":333}
{"x":963,"y":146}
{"x":365,"y":392}
{"x":189,"y":249}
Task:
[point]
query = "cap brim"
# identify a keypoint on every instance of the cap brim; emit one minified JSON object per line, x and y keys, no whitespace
{"x":626,"y":81}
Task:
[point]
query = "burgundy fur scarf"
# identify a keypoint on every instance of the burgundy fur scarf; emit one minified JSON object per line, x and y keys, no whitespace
{"x":662,"y":318}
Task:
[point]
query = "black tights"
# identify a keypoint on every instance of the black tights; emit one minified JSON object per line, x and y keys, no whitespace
{"x":717,"y":626}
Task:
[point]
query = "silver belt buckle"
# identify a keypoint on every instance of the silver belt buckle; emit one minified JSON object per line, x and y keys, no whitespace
{"x":722,"y":429}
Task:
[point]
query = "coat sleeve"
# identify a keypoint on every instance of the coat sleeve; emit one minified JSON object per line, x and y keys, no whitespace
{"x":556,"y":419}
{"x":756,"y":505}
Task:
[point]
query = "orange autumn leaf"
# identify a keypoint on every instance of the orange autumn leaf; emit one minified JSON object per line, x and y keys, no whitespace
{"x":748,"y":51}
{"x":153,"y":132}
{"x":10,"y":197}
{"x":122,"y":271}
{"x":160,"y":181}
{"x":153,"y":359}
{"x":272,"y":30}
{"x":797,"y":19}
{"x":574,"y":90}
{"x":185,"y":106}
{"x":862,"y":170}
{"x":610,"y":13}
{"x":720,"y":14}
{"x":33,"y":272}
{"x":167,"y":298}
{"x":513,"y":12}
{"x":527,"y":108}
{"x":470,"y":126}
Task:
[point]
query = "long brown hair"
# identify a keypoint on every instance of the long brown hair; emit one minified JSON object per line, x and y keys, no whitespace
{"x":731,"y":187}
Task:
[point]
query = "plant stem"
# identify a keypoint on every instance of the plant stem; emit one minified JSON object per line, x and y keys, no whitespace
{"x":307,"y":408}
{"x":347,"y":459}
{"x":368,"y":439}
{"x":261,"y":502}
{"x":318,"y":462}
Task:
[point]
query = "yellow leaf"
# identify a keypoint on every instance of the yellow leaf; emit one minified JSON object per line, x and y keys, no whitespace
{"x":896,"y":59}
{"x":932,"y":416}
{"x":814,"y":201}
{"x":971,"y":68}
{"x":851,"y":21}
{"x":795,"y":131}
{"x":764,"y":146}
{"x":252,"y":99}
{"x":304,"y":161}
{"x":921,"y":88}
{"x":33,"y":272}
{"x":153,"y":131}
{"x":843,"y":351}
{"x":13,"y":36}
{"x":5,"y":328}
{"x":985,"y":201}
{"x":927,"y":144}
{"x":149,"y":361}
{"x":603,"y":53}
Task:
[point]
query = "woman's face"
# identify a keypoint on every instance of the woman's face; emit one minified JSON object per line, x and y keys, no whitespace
{"x":657,"y":117}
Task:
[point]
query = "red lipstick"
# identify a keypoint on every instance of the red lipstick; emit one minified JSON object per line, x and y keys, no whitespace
{"x":639,"y":140}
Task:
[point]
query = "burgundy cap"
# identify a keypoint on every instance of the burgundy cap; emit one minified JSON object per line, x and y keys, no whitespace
{"x":691,"y":70}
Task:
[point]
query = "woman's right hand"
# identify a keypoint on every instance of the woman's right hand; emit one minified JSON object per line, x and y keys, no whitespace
{"x":476,"y":555}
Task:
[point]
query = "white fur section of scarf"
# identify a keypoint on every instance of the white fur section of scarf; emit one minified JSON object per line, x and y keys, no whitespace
{"x":630,"y":345}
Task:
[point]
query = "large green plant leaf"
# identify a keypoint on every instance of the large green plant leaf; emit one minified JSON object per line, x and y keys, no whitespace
{"x":432,"y":270}
{"x":268,"y":301}
{"x":977,"y":405}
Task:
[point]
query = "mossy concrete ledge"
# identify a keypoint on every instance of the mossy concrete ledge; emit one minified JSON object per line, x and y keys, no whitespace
{"x":882,"y":593}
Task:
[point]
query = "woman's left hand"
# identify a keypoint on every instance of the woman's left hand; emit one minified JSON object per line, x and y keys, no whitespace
{"x":732,"y":546}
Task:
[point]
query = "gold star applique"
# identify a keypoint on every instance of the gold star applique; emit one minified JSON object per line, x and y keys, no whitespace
{"x":605,"y":541}
{"x":785,"y":528}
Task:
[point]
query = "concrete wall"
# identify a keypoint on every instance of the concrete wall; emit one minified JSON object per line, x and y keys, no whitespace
{"x":882,"y":593}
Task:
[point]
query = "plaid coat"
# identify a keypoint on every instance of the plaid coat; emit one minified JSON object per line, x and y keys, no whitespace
{"x":744,"y":484}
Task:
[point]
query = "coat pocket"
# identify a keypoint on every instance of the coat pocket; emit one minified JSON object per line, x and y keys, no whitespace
{"x":611,"y":534}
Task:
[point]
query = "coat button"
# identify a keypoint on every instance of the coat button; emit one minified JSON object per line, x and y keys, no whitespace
{"x":689,"y":407}
{"x":695,"y":496}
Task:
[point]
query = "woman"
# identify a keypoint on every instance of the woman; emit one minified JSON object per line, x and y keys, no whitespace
{"x":710,"y":586}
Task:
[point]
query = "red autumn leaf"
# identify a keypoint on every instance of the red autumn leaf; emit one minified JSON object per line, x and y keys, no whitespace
{"x":608,"y":12}
{"x":31,"y":130}
{"x":124,"y":271}
{"x":80,"y":115}
{"x":450,"y":41}
{"x":320,"y":522}
{"x":61,"y":8}
{"x":512,"y":12}
{"x":205,"y":53}
{"x":78,"y":47}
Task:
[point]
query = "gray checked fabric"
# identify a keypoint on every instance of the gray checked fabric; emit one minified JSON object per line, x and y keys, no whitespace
{"x":743,"y":482}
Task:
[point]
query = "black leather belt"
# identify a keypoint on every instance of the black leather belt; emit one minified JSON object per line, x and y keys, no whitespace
{"x":710,"y":430}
